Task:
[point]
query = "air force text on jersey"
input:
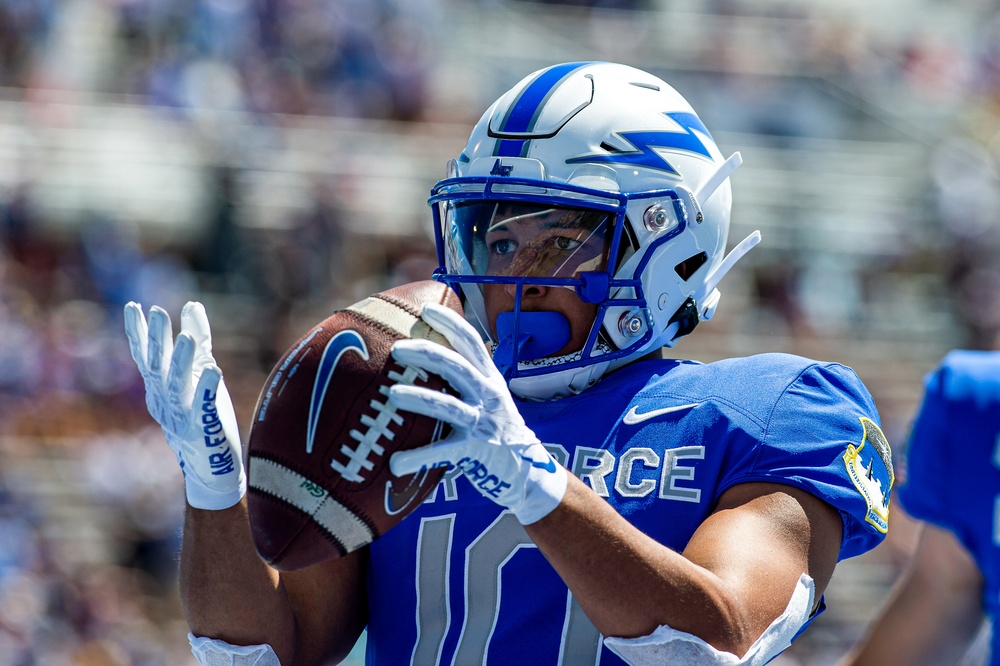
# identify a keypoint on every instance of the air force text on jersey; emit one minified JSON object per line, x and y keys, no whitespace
{"x":637,"y":472}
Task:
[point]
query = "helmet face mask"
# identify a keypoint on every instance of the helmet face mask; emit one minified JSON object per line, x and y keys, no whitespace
{"x":594,"y":177}
{"x":527,"y":239}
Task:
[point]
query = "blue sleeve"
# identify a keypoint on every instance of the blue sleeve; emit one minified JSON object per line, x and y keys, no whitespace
{"x":823,"y":435}
{"x":953,"y":441}
{"x":924,"y":491}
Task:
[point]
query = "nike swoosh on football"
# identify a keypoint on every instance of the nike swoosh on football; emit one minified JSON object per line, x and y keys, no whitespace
{"x":335,"y":348}
{"x":396,"y":502}
{"x":633,"y":416}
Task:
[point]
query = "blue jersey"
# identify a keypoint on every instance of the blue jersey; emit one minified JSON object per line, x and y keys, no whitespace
{"x":459,"y":581}
{"x":953,"y":463}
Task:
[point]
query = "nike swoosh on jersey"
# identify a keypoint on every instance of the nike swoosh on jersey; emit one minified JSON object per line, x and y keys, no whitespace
{"x":335,"y":348}
{"x":633,"y":416}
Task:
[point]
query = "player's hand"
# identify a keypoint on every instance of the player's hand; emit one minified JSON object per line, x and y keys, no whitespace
{"x":187,"y":397}
{"x":490,"y":442}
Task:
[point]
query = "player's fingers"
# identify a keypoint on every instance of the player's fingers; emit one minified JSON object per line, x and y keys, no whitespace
{"x":160,"y":345}
{"x":137,"y":334}
{"x":207,"y":391}
{"x":179,"y":374}
{"x":434,"y":404}
{"x":439,"y":360}
{"x":223,"y":402}
{"x":205,"y":408}
{"x":459,"y":333}
{"x":194,"y":320}
{"x":206,"y":415}
{"x":442,"y":454}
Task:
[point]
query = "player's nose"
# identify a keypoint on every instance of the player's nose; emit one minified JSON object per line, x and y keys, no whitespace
{"x":529,"y":290}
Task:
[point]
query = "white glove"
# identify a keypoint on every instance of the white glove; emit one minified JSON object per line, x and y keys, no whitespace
{"x":490,"y":442}
{"x":187,"y":397}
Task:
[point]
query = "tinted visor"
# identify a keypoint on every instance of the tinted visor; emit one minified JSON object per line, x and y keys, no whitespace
{"x":515,"y":239}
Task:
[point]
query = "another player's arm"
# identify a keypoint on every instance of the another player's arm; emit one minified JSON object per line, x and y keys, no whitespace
{"x":735,"y":577}
{"x":310,"y":616}
{"x":932,"y":612}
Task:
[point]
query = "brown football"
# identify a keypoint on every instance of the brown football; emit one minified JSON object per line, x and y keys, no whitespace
{"x":323,"y":432}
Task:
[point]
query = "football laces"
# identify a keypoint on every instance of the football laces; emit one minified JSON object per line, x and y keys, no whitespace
{"x":359,"y":459}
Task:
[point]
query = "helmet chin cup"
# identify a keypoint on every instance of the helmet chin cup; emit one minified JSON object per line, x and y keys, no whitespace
{"x":538,"y":334}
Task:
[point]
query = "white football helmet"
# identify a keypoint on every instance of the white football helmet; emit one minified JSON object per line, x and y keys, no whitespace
{"x":597,"y":177}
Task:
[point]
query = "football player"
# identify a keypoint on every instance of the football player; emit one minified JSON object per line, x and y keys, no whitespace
{"x":604,"y":504}
{"x":952,"y":485}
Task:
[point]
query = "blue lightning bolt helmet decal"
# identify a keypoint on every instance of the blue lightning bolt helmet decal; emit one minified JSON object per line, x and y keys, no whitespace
{"x":338,"y":345}
{"x":645,"y":142}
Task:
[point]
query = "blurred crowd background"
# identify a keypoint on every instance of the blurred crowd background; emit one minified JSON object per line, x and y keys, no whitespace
{"x":272,"y":159}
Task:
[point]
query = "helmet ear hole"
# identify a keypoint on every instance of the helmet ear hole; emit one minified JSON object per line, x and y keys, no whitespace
{"x":687,"y":268}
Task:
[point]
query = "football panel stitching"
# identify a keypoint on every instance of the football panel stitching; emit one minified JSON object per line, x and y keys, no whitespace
{"x":388,"y":315}
{"x":357,"y":508}
{"x":263,"y":496}
{"x":277,"y":480}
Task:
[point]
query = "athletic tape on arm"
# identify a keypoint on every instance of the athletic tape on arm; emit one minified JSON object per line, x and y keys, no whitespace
{"x":669,"y":646}
{"x":213,"y":652}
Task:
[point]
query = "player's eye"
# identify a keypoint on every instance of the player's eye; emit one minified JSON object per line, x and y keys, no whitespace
{"x":566,"y":243}
{"x":503,"y":246}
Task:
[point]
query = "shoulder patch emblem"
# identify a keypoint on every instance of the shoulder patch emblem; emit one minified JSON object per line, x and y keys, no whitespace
{"x":870,"y":467}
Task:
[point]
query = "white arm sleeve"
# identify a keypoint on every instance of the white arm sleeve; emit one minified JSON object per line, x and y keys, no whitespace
{"x":213,"y":652}
{"x":669,"y":646}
